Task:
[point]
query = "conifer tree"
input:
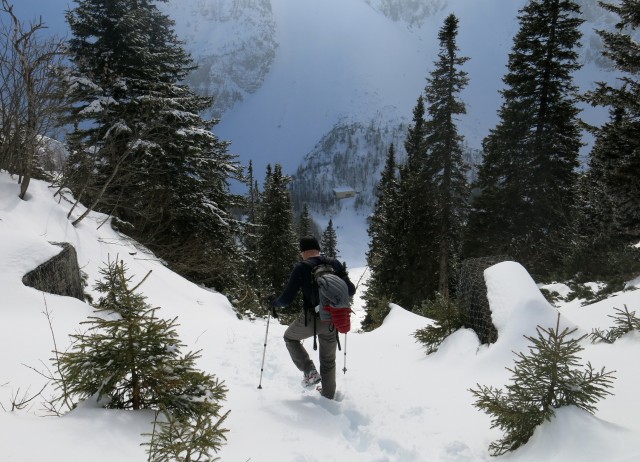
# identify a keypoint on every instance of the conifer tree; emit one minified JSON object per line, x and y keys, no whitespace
{"x":329,"y":241}
{"x":382,"y":257}
{"x":140,"y":149}
{"x":124,"y":357}
{"x":277,"y":243}
{"x":416,"y":136}
{"x":616,"y":153}
{"x":528,"y":174}
{"x":608,"y":210}
{"x":254,"y":195}
{"x":544,"y":380}
{"x":591,"y":251}
{"x":432,"y":191}
{"x":416,"y":254}
{"x":250,"y":237}
{"x":447,"y":317}
{"x":445,"y":167}
{"x":624,"y":321}
{"x":175,"y":439}
{"x":305,"y":222}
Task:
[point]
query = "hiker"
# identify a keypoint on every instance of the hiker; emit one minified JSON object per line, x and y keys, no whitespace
{"x":309,"y":323}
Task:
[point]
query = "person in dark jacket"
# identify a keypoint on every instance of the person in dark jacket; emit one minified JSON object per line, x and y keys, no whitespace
{"x":309,"y":322}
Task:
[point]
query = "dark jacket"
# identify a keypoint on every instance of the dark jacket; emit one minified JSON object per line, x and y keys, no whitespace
{"x":301,"y":279}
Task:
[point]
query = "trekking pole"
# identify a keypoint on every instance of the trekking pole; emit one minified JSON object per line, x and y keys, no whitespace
{"x":344,"y":368}
{"x":264,"y":351}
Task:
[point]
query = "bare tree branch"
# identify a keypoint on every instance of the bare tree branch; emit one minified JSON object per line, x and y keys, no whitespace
{"x":29,"y":93}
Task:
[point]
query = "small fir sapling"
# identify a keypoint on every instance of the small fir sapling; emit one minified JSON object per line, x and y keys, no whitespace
{"x":129,"y":358}
{"x":545,"y":379}
{"x":624,"y":321}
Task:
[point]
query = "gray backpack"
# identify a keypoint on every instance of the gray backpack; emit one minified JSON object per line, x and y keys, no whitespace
{"x":331,"y":297}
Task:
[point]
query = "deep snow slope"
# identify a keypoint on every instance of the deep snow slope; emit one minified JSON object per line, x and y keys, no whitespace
{"x":394,"y":403}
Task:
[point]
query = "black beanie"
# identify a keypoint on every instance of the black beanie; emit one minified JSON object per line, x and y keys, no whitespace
{"x":309,"y":243}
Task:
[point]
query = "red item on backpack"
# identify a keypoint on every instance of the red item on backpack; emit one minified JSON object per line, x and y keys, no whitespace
{"x":341,"y":318}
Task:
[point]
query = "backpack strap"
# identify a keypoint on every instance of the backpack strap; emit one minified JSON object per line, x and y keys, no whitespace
{"x":315,"y":318}
{"x":323,"y":260}
{"x":312,"y":265}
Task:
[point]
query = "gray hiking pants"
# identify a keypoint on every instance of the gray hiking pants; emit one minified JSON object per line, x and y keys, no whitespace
{"x":327,"y":340}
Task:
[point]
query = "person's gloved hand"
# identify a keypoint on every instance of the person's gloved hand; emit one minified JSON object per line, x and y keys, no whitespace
{"x":272,"y":303}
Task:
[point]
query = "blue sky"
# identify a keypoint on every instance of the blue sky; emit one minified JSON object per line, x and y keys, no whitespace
{"x":51,"y":11}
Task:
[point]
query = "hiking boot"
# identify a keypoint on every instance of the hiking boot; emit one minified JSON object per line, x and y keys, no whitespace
{"x":311,"y":378}
{"x":319,"y":390}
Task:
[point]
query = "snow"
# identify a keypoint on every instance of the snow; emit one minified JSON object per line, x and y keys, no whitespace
{"x":521,"y":292}
{"x":394,"y":403}
{"x":98,"y":105}
{"x":350,"y":226}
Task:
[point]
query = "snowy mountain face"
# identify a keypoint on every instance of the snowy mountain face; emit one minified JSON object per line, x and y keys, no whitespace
{"x":595,"y":18}
{"x":233,"y":42}
{"x":353,"y":154}
{"x":412,"y":12}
